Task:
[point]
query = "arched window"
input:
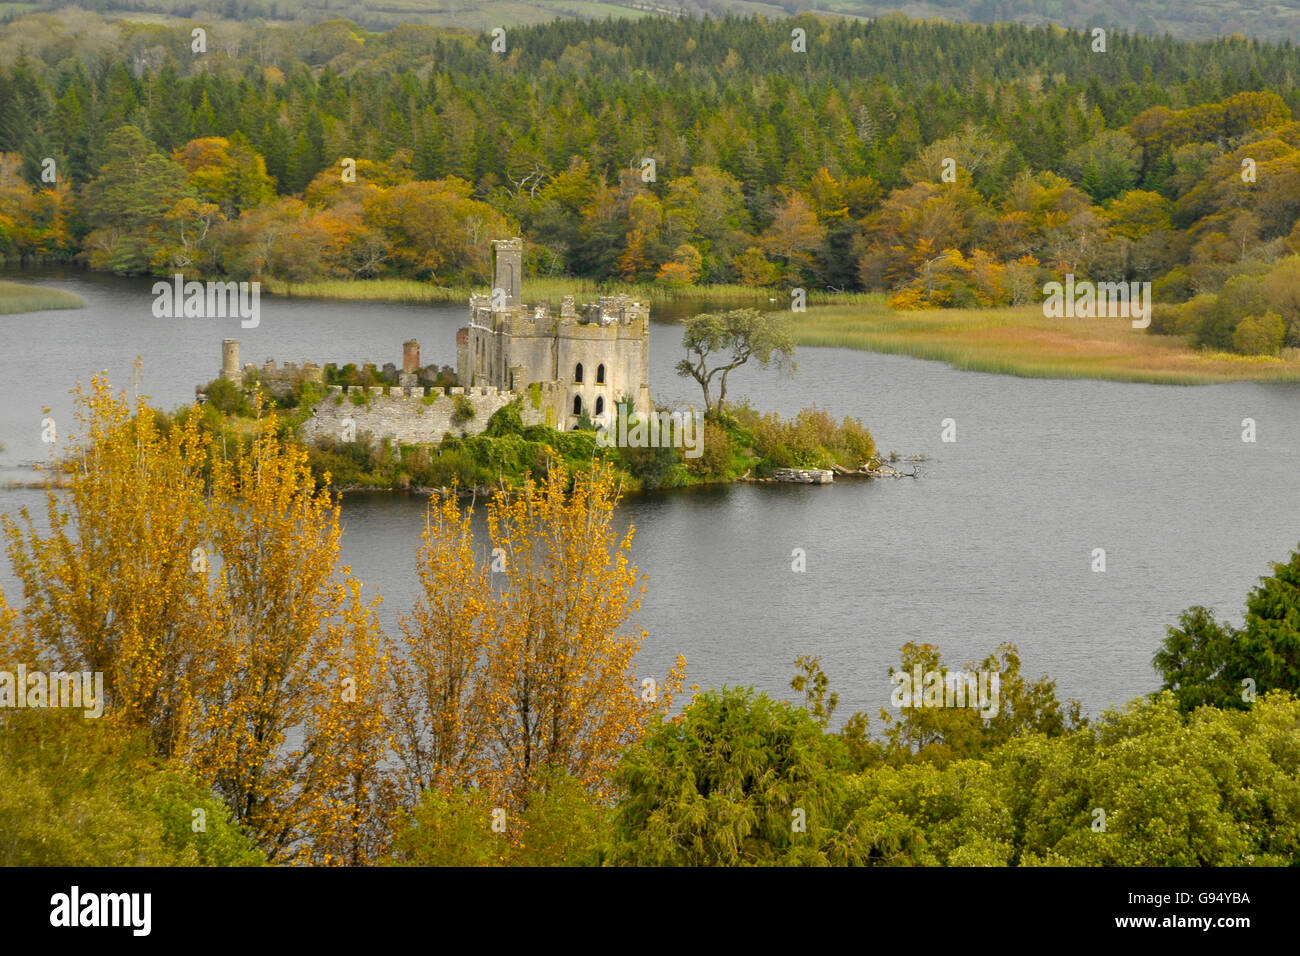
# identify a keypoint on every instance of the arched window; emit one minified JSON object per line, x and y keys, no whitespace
{"x":577,"y":373}
{"x":577,"y":403}
{"x":600,"y":375}
{"x":600,"y":403}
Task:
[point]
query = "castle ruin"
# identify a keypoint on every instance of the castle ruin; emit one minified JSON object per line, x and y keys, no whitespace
{"x":598,"y":353}
{"x":579,"y":362}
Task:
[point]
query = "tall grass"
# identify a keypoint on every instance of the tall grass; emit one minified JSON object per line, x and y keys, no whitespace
{"x":1009,"y":341}
{"x":16,"y":297}
{"x":1022,"y":341}
{"x":552,"y":288}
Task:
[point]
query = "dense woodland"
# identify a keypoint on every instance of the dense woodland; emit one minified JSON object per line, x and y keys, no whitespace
{"x":1201,"y":20}
{"x":771,"y":167}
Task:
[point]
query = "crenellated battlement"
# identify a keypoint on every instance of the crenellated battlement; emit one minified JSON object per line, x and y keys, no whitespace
{"x":370,"y":392}
{"x":607,"y":311}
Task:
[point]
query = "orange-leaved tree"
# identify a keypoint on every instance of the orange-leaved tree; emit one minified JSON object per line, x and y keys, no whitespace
{"x":207,"y":592}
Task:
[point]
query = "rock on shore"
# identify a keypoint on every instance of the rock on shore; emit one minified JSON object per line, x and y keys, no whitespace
{"x":804,"y":476}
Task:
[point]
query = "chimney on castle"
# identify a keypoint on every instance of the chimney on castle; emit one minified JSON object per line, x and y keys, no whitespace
{"x":230,"y":359}
{"x":411,"y":356}
{"x":508,"y":269}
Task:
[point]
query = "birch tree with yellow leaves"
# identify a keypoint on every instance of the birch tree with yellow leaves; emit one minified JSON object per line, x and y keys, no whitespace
{"x":437,"y":726}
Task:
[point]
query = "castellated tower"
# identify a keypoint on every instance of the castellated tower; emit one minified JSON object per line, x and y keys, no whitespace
{"x":508,"y":269}
{"x":230,"y":359}
{"x":585,"y":358}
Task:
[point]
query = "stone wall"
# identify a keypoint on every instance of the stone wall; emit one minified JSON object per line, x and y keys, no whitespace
{"x":414,"y":415}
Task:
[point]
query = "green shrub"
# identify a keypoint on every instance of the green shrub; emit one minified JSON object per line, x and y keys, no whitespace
{"x":507,"y":455}
{"x":1185,"y":318}
{"x":226,"y":396}
{"x":1241,"y":296}
{"x":349,"y":464}
{"x":656,"y":468}
{"x":506,"y":420}
{"x":1175,"y":286}
{"x":575,"y":446}
{"x":75,"y":793}
{"x":715,"y":460}
{"x":542,"y":433}
{"x":561,"y":826}
{"x":1259,"y":334}
{"x":719,"y":788}
{"x":811,"y":440}
{"x":454,"y":467}
{"x":464,"y":410}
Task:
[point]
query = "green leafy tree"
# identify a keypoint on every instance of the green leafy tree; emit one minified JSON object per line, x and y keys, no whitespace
{"x":1259,"y":334}
{"x":129,"y":201}
{"x":739,"y":779}
{"x":1196,"y":661}
{"x":812,"y":680}
{"x":1206,"y":662}
{"x":1269,"y":642}
{"x":733,"y":338}
{"x":74,"y":795}
{"x":562,"y":825}
{"x":944,"y":733}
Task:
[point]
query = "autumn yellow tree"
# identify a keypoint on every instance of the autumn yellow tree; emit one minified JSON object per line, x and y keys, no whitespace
{"x":348,"y":801}
{"x":533,"y":672}
{"x":206,"y":590}
{"x":289,"y":734}
{"x":438,"y":733}
{"x":118,"y":585}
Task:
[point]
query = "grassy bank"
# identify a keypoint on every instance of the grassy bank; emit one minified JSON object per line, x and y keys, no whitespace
{"x":536,"y":289}
{"x":1021,"y":341}
{"x":16,"y":297}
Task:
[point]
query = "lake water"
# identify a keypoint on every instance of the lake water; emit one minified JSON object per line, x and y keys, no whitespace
{"x":994,"y":543}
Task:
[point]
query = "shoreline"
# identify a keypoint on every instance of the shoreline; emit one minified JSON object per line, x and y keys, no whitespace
{"x":1007,"y":340}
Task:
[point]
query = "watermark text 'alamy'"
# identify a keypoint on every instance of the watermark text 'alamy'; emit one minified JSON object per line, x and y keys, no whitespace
{"x":1100,"y":300}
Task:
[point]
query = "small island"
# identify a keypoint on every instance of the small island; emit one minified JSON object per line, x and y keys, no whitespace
{"x":533,"y":385}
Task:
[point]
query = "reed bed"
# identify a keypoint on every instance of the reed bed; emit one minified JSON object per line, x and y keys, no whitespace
{"x":16,"y":297}
{"x":553,"y":288}
{"x":1022,"y":341}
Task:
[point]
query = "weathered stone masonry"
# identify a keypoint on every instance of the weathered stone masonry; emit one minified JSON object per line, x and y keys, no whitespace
{"x":412,"y":415}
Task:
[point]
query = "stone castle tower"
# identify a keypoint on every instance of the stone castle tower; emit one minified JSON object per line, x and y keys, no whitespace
{"x":587,"y":356}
